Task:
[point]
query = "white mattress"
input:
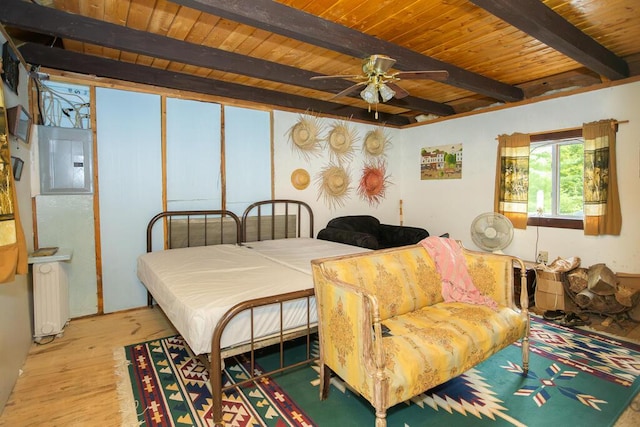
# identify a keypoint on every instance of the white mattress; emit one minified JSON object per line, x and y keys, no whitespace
{"x":196,"y":286}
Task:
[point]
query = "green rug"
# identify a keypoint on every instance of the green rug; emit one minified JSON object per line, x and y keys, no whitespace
{"x":576,"y":377}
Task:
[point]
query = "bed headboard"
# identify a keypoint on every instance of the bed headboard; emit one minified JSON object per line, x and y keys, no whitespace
{"x":196,"y":228}
{"x":277,"y":219}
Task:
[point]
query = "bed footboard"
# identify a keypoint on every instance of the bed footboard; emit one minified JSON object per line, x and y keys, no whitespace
{"x":279,"y":338}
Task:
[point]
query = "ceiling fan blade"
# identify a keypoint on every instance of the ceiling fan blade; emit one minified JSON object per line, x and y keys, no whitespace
{"x":340,"y":76}
{"x":431,"y":75}
{"x":349,"y":90}
{"x":400,"y":93}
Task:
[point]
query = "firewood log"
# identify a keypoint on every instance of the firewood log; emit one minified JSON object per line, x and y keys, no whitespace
{"x":602,"y":280}
{"x":578,"y":280}
{"x":584,"y":298}
{"x":624,"y":295}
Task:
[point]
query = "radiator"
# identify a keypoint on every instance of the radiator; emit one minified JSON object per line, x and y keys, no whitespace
{"x":50,"y":299}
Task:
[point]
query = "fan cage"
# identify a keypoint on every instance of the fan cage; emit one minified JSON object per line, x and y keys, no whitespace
{"x":492,"y":231}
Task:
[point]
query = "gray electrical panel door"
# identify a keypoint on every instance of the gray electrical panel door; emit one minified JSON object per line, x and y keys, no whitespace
{"x":65,"y":160}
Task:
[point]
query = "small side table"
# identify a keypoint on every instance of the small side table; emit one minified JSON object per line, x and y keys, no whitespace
{"x":531,"y":282}
{"x":50,"y":293}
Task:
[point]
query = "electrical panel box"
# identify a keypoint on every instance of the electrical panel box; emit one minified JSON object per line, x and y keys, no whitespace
{"x":65,"y":156}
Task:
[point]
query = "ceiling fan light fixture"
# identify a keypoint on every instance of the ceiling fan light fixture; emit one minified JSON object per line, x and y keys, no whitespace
{"x":370,"y":94}
{"x":376,"y":85}
{"x":377,"y":64}
{"x":386,"y":92}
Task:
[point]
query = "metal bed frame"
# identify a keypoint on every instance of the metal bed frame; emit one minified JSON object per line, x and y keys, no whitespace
{"x":263,"y":220}
{"x":190,"y":220}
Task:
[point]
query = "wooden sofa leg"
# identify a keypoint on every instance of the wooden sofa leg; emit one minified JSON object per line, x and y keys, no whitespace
{"x":381,"y":419}
{"x":325,"y":380}
{"x":525,"y":355}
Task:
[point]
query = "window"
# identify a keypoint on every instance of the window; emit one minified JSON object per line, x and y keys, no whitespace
{"x":556,"y":179}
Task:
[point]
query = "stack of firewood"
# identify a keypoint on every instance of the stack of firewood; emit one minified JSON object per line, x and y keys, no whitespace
{"x":597,"y":289}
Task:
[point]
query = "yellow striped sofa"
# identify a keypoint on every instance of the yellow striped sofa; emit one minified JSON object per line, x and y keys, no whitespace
{"x":386,"y":331}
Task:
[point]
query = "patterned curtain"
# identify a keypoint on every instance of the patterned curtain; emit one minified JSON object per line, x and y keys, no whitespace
{"x":512,"y":178}
{"x":601,"y":199}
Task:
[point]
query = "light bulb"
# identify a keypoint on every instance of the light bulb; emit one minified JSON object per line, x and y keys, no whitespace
{"x":370,"y":94}
{"x":386,"y":92}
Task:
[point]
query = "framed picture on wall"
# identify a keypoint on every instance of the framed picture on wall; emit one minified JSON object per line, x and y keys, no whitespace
{"x":10,"y":70}
{"x":441,"y":162}
{"x":19,"y":121}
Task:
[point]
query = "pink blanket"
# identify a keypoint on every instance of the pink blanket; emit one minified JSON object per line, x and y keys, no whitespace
{"x":456,"y":281}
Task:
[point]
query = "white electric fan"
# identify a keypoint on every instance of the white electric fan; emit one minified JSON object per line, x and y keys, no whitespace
{"x":492,"y":231}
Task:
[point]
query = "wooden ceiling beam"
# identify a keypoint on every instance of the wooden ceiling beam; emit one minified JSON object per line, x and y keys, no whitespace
{"x":542,"y":23}
{"x":61,"y":59}
{"x":60,"y":24}
{"x":281,"y":19}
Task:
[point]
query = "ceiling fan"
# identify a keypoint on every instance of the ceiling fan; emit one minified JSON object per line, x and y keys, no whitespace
{"x":378,"y":84}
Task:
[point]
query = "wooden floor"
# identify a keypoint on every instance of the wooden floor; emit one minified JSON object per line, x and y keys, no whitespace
{"x":71,"y":381}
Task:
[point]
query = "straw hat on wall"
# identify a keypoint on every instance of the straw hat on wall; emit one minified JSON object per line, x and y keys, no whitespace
{"x":333,"y":185}
{"x":300,"y":179}
{"x":340,"y":140}
{"x":373,"y":182}
{"x":375,"y":143}
{"x":304,"y":136}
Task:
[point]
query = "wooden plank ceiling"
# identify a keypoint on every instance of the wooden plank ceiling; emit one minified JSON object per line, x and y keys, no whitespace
{"x":495,"y":51}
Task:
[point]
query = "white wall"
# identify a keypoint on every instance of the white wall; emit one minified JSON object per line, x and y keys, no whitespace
{"x":451,"y":205}
{"x":66,"y":221}
{"x":15,"y":297}
{"x":287,"y":160}
{"x":130,"y":180}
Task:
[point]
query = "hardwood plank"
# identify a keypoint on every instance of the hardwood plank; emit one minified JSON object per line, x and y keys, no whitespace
{"x":96,"y":204}
{"x":165,"y":20}
{"x":116,"y":11}
{"x":72,"y":381}
{"x":598,"y":19}
{"x":547,"y":26}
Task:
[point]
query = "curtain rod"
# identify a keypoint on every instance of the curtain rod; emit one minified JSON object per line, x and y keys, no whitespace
{"x":615,"y":122}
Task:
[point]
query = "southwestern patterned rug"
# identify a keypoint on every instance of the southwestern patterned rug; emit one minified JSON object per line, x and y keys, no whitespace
{"x":576,"y":377}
